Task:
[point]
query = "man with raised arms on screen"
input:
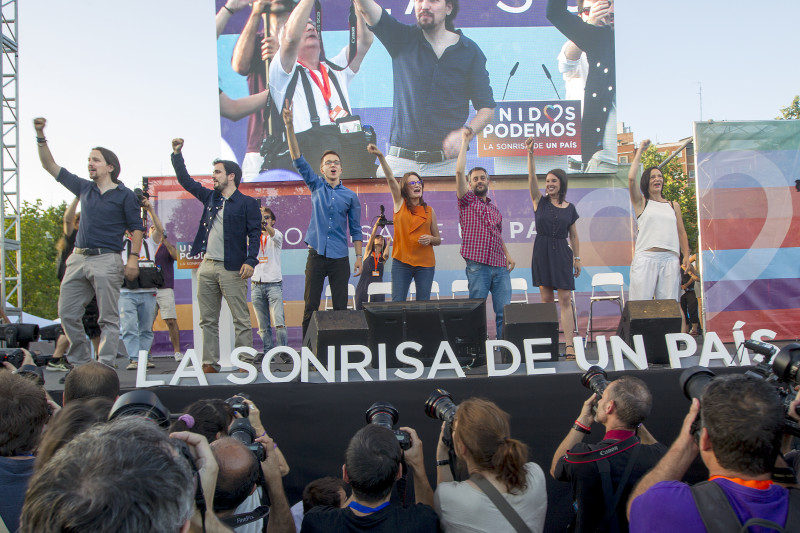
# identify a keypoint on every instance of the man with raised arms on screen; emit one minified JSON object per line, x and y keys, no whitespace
{"x":437,"y":71}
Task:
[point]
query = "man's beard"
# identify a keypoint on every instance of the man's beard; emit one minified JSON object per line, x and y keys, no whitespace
{"x":481,"y":191}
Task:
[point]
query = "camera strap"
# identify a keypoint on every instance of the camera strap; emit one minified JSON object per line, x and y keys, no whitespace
{"x":501,"y":503}
{"x":300,"y":73}
{"x":602,"y":453}
{"x":238,"y":520}
{"x":352,"y":21}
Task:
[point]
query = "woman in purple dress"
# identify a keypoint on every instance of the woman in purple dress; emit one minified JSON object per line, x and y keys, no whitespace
{"x":554,"y":265}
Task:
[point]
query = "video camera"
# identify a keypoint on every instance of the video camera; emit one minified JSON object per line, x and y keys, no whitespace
{"x":384,"y":414}
{"x":382,"y":220}
{"x":243,"y":431}
{"x":783,"y":373}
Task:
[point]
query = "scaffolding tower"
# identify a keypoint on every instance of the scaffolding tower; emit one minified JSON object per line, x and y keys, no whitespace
{"x":11,"y":264}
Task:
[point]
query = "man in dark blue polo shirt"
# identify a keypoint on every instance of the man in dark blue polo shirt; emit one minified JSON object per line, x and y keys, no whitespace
{"x":334,"y":208}
{"x":229,"y":236}
{"x":108,"y":208}
{"x":437,"y":71}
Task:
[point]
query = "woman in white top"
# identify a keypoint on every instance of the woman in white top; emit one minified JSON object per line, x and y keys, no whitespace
{"x":482,"y":441}
{"x":655,"y":271}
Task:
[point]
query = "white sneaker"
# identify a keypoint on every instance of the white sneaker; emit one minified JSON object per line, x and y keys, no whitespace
{"x":178,"y":356}
{"x":133,"y":365}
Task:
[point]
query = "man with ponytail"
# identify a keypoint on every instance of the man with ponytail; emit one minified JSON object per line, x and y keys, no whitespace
{"x":483,"y":443}
{"x":603,"y":474}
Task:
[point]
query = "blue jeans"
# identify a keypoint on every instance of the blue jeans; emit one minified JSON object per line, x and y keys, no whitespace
{"x":403,"y":273}
{"x":136,"y":313}
{"x":267,"y":301}
{"x":483,"y":279}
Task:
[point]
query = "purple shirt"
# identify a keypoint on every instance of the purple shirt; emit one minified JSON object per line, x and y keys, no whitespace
{"x":167,"y":264}
{"x":668,"y":506}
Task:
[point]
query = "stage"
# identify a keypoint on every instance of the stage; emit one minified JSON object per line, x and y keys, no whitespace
{"x":312,"y":422}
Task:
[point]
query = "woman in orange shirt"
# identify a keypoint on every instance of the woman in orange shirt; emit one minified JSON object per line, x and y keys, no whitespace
{"x":415,"y":234}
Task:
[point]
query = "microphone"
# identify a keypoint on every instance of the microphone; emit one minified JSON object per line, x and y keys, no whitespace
{"x":549,"y":77}
{"x":513,"y":71}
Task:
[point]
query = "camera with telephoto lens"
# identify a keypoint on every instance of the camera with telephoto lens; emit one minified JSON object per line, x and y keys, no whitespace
{"x":14,"y":356}
{"x":384,"y":414}
{"x":243,"y":431}
{"x":239,"y":405}
{"x":382,"y":220}
{"x":440,"y":405}
{"x":143,"y":403}
{"x":596,"y":380}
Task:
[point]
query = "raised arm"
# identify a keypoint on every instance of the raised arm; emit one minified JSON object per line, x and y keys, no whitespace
{"x":226,"y":12}
{"x":633,"y":183}
{"x":461,"y":165}
{"x":48,"y":163}
{"x":293,"y":34}
{"x":370,"y":10}
{"x":574,"y":436}
{"x":291,"y":138}
{"x":533,"y":181}
{"x":158,"y":228}
{"x":371,"y":241}
{"x":69,"y":216}
{"x":246,"y":44}
{"x":173,"y":252}
{"x":394,"y":187}
{"x":241,"y":107}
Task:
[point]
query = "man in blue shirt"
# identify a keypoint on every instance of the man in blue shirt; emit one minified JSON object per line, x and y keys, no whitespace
{"x":228,"y":235}
{"x":437,"y":71}
{"x":108,"y":208}
{"x":334,"y":208}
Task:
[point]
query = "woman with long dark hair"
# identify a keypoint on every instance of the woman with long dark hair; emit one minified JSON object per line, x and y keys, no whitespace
{"x":483,"y":443}
{"x":555,"y":264}
{"x":656,"y":267}
{"x":415,"y":234}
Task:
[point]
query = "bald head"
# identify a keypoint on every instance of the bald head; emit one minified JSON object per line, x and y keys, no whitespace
{"x":238,"y":473}
{"x":92,"y":380}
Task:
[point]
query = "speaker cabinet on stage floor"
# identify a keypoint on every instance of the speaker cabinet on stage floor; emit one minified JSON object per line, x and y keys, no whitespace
{"x":531,"y":321}
{"x":335,"y":328}
{"x":461,"y":322}
{"x":652,"y":319}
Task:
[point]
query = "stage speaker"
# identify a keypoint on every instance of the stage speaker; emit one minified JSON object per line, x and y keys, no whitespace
{"x":335,"y":328}
{"x":461,"y":322}
{"x":652,"y":319}
{"x":531,"y":321}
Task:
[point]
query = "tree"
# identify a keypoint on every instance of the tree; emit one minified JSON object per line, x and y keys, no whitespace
{"x":792,"y":111}
{"x":41,"y":229}
{"x":677,"y":187}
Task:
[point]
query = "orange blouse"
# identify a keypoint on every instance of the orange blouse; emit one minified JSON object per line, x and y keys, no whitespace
{"x":409,"y":226}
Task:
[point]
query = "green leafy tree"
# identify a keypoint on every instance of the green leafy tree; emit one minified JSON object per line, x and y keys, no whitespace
{"x":791,"y":111}
{"x":41,"y":228}
{"x":677,"y":187}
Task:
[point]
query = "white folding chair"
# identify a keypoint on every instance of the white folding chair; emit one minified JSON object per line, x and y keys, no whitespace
{"x":459,"y":285}
{"x":351,"y":297}
{"x":379,"y":287}
{"x":600,"y":281}
{"x":519,"y":284}
{"x":328,"y":303}
{"x":412,"y":291}
{"x":435,"y":290}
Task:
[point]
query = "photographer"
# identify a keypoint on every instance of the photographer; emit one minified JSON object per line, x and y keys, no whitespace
{"x":137,"y":298}
{"x":240,"y":484}
{"x":482,"y":440}
{"x":376,"y":254}
{"x":741,"y":425}
{"x":372,"y":465}
{"x":23,"y":415}
{"x":416,"y":233}
{"x":603,"y":474}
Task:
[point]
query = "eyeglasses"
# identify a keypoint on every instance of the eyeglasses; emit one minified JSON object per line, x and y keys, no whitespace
{"x":334,"y":162}
{"x":414,"y":183}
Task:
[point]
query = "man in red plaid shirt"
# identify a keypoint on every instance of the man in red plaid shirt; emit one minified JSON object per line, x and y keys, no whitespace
{"x":482,"y":246}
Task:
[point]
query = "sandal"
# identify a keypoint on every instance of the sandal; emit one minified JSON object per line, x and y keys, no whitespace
{"x":569,"y":356}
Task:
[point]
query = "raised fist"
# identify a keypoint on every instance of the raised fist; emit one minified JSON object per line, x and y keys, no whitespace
{"x":39,"y":123}
{"x":177,"y":145}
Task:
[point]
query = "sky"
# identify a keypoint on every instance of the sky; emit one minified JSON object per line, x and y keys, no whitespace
{"x":132,"y":75}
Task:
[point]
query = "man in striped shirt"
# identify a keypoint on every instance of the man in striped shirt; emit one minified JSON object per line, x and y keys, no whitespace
{"x":482,"y":246}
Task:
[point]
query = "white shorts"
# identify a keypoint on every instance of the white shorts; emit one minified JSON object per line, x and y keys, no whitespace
{"x":655,"y":275}
{"x":165,"y":300}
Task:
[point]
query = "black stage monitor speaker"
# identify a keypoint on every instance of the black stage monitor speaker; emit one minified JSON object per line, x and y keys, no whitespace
{"x":531,"y":321}
{"x":652,"y":319}
{"x":335,"y":328}
{"x":460,"y":322}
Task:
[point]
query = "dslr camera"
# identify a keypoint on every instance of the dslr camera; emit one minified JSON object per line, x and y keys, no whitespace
{"x":243,"y":431}
{"x":384,"y":414}
{"x":382,"y":220}
{"x":239,"y":405}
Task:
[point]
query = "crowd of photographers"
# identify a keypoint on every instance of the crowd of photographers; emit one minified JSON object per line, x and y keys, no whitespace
{"x":105,"y":462}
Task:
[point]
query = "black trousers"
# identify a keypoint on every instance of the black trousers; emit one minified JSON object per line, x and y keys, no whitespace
{"x":689,"y":307}
{"x":318,"y":267}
